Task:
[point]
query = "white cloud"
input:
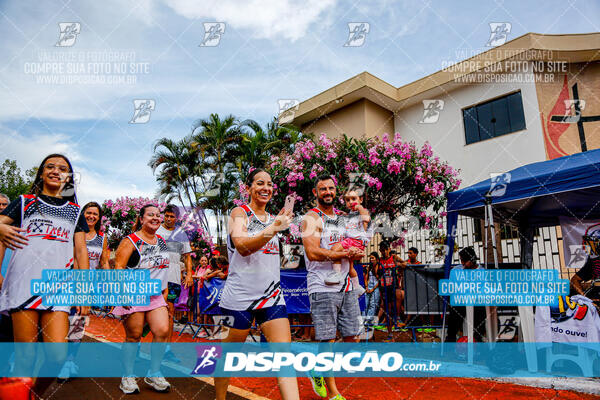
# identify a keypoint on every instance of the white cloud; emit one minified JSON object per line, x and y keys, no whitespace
{"x":266,"y":19}
{"x":30,"y":151}
{"x":93,"y":185}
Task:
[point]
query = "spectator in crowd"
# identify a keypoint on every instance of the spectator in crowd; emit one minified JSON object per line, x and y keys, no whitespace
{"x":413,"y":252}
{"x":199,"y":278}
{"x":456,"y":315}
{"x":372,"y":285}
{"x":219,"y":268}
{"x":388,"y":282}
{"x":400,"y":265}
{"x":178,"y":245}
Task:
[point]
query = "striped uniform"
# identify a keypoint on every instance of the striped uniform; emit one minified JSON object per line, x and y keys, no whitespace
{"x":253,"y":281}
{"x":333,"y":232}
{"x":50,"y":231}
{"x":154,"y":257}
{"x":94,"y":248}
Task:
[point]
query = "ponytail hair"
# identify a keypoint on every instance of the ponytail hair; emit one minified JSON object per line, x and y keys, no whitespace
{"x":138,"y":221}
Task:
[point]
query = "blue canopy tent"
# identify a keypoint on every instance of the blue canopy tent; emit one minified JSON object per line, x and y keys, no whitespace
{"x":531,"y":196}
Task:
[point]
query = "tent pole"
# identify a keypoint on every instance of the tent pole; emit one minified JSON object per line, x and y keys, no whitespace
{"x":491,"y":321}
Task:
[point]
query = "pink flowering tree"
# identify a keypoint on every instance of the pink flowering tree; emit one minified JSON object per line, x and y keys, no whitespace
{"x":397,"y":178}
{"x":120,"y":215}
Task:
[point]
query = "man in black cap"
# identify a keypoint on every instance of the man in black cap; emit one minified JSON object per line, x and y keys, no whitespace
{"x":456,"y":315}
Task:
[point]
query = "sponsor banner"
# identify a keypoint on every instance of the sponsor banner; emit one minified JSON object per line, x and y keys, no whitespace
{"x":579,"y":238}
{"x":503,"y":287}
{"x":293,"y":284}
{"x":97,"y":287}
{"x":300,"y":359}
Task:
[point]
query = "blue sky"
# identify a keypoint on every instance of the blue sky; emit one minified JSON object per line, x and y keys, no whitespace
{"x":270,"y":50}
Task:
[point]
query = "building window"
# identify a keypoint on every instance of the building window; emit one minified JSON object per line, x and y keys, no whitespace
{"x":494,"y":118}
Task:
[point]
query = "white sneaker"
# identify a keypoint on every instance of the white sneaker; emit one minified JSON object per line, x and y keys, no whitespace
{"x":65,"y":372}
{"x":74,"y":368}
{"x":158,"y":382}
{"x":359,"y":291}
{"x":129,"y":385}
{"x":334,"y":278}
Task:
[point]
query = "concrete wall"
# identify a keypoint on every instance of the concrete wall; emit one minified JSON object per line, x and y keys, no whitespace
{"x":359,"y":119}
{"x":476,"y":161}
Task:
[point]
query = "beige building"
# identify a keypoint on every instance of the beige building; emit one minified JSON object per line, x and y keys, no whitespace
{"x":490,"y":113}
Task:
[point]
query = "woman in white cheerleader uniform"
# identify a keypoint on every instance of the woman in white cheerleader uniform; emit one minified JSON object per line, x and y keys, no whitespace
{"x":98,"y":255}
{"x":252,"y":290}
{"x":46,"y":231}
{"x":144,"y":249}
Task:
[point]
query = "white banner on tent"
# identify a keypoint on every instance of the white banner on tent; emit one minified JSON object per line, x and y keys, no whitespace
{"x":573,"y":230}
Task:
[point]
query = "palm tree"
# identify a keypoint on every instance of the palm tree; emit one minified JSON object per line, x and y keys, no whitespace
{"x":259,"y":145}
{"x":176,"y":169}
{"x":216,"y":141}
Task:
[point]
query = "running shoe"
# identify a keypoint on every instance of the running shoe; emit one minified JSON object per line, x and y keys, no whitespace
{"x":129,"y":385}
{"x":380,"y":327}
{"x":65,"y":372}
{"x":170,"y":356}
{"x":338,"y":397}
{"x":158,"y":382}
{"x":318,"y":385}
{"x":334,"y":278}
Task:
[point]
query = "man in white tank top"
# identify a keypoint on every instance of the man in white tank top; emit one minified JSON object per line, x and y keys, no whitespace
{"x":333,"y":307}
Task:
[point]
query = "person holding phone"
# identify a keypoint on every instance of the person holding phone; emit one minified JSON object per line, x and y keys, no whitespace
{"x":252,"y":290}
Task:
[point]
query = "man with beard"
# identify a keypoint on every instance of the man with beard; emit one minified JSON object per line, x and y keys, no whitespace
{"x":333,"y":307}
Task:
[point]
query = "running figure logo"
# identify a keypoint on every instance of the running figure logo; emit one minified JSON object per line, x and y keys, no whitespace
{"x":431,"y":111}
{"x":207,"y":356}
{"x":142,"y":111}
{"x":68,"y":33}
{"x":212,"y":34}
{"x":358,"y":34}
{"x":498,"y":183}
{"x":498,"y":33}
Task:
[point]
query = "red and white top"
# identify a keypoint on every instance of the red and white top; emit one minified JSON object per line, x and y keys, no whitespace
{"x":50,"y":229}
{"x":333,"y":232}
{"x":154,"y":257}
{"x":253,"y":281}
{"x":94,"y":248}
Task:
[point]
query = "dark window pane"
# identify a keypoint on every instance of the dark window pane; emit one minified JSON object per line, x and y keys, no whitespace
{"x":471,"y":126}
{"x":484,"y":116}
{"x":515,"y":111}
{"x":500,"y":119}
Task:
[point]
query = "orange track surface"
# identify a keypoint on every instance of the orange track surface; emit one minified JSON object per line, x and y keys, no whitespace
{"x":371,"y":388}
